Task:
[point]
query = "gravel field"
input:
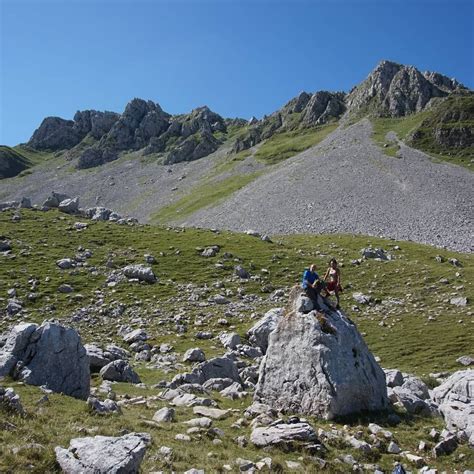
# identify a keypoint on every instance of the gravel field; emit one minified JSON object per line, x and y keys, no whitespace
{"x":128,"y":186}
{"x":347,"y":185}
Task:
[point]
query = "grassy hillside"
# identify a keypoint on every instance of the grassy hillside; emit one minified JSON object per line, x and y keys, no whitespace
{"x":452,"y":117}
{"x":411,"y":325}
{"x":12,"y":162}
{"x":284,"y":145}
{"x":206,"y":194}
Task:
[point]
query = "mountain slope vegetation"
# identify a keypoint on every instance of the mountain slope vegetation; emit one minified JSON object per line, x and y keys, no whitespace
{"x":410,"y":324}
{"x":12,"y":162}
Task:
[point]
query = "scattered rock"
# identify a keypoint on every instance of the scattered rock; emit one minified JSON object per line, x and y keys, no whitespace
{"x":393,"y":377}
{"x":445,"y":446}
{"x":218,"y":367}
{"x":375,"y":253}
{"x":230,"y":340}
{"x":210,"y":251}
{"x":164,"y":415}
{"x":214,"y":413}
{"x":65,"y":288}
{"x":66,"y":263}
{"x":458,"y":301}
{"x":13,"y":307}
{"x":135,"y":336}
{"x":106,"y":407}
{"x":69,"y":206}
{"x":140,"y":272}
{"x":194,"y":354}
{"x":104,"y":454}
{"x":202,"y":422}
{"x":10,"y":401}
{"x":241,"y":272}
{"x":393,"y":448}
{"x":361,"y":298}
{"x":465,"y":360}
{"x":282,"y":433}
{"x":119,"y":371}
{"x":55,"y":199}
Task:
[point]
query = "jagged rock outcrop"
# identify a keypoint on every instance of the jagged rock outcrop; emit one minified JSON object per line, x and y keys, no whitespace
{"x":142,"y":126}
{"x":94,"y":122}
{"x":140,"y":121}
{"x":191,"y":136}
{"x":56,"y":133}
{"x":396,"y":90}
{"x":305,"y":110}
{"x":104,"y":454}
{"x":323,"y":107}
{"x":318,"y":364}
{"x":193,"y":148}
{"x":50,"y":355}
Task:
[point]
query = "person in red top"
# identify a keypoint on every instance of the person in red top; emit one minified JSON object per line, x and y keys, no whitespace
{"x":333,"y":280}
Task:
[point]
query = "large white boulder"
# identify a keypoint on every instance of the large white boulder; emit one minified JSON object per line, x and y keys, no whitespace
{"x":318,"y":364}
{"x":50,"y":355}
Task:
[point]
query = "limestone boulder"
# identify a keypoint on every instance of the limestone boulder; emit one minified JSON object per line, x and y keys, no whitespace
{"x":318,"y":364}
{"x":104,"y":454}
{"x":119,"y":371}
{"x":282,"y":433}
{"x":216,"y":368}
{"x":455,"y":397}
{"x":50,"y":355}
{"x":140,"y":272}
{"x":69,"y":206}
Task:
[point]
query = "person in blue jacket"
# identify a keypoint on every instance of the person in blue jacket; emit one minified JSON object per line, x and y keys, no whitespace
{"x":312,"y":284}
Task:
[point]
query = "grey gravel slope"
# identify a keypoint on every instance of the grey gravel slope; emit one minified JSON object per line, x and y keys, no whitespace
{"x":347,"y":185}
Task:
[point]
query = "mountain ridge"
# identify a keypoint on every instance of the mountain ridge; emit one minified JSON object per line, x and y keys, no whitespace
{"x":391,"y":89}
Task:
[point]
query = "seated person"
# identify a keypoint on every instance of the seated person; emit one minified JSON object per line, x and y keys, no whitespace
{"x":312,"y":285}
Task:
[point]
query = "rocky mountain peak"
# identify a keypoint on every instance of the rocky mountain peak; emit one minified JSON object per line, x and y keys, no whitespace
{"x":396,"y":90}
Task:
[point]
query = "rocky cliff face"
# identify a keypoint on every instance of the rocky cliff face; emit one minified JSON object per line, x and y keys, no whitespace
{"x":142,"y":126}
{"x":396,"y":90}
{"x":449,"y":128}
{"x":305,"y":110}
{"x":391,"y":89}
{"x":55,"y":133}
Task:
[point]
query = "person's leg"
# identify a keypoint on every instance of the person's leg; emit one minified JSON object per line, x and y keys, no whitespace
{"x":317,"y":292}
{"x":336,"y":292}
{"x":312,"y":294}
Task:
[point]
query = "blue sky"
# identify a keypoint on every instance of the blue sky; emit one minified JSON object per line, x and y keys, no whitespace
{"x":241,"y":58}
